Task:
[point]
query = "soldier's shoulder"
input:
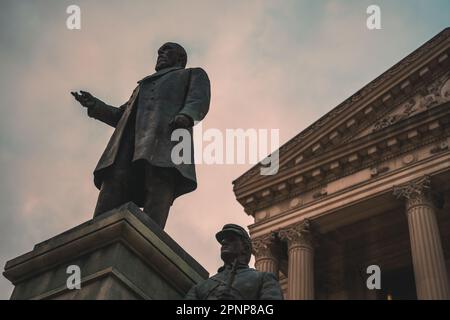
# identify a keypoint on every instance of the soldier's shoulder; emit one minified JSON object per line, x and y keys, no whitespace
{"x":269,"y":277}
{"x":262,"y":274}
{"x":210,"y":279}
{"x":253,"y":273}
{"x":252,"y":270}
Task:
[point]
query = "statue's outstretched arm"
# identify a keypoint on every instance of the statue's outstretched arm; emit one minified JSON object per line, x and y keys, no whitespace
{"x":99,"y":110}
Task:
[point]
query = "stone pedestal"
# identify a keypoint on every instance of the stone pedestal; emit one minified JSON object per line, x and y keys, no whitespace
{"x":121,"y":254}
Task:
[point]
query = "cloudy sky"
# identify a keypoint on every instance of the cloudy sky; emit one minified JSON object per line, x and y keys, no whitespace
{"x":272,"y":65}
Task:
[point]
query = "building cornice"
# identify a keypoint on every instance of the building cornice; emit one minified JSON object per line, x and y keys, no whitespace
{"x":379,"y":93}
{"x":403,"y":137}
{"x":333,"y":152}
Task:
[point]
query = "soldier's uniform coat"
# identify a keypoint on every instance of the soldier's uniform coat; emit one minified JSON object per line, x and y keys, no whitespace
{"x":248,"y":284}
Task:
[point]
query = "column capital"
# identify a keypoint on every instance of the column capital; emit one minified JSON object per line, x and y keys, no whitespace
{"x":416,"y":192}
{"x":262,"y":246}
{"x":426,"y":249}
{"x":414,"y":188}
{"x":297,"y":235}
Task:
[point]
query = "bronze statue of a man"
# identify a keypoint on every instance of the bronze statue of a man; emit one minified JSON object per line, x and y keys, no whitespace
{"x":235,"y":280}
{"x":136,"y":165}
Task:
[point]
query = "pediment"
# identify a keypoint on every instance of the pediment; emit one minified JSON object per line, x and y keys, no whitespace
{"x":416,"y":84}
{"x":434,"y":95}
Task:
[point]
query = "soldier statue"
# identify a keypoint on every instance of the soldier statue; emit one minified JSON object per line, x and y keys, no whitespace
{"x":235,"y":280}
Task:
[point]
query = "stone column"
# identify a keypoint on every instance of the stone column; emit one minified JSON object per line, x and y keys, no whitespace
{"x":301,"y":261}
{"x":265,"y":259}
{"x":426,"y":249}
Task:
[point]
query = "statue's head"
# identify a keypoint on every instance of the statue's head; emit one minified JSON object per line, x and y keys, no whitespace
{"x":236,"y":244}
{"x":171,"y":55}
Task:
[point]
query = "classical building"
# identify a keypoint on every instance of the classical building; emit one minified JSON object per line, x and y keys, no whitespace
{"x":367,"y":184}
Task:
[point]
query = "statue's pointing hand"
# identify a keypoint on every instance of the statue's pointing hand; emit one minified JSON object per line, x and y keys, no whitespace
{"x":86,"y":99}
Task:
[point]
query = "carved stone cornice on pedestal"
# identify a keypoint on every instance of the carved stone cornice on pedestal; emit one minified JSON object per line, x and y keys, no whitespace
{"x":262,"y":246}
{"x":416,"y":192}
{"x":297,"y":235}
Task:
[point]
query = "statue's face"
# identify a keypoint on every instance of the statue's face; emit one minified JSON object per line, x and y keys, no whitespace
{"x":168,"y":56}
{"x":232,"y":248}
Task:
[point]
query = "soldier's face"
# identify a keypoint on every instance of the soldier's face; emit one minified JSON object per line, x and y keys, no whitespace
{"x":232,"y":248}
{"x":168,"y":56}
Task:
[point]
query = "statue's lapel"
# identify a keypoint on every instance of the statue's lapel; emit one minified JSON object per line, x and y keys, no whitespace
{"x":160,"y":73}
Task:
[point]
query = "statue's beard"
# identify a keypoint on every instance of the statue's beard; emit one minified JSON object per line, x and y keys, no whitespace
{"x":163,"y":64}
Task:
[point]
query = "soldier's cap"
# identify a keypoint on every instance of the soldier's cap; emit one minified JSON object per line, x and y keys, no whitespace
{"x":231,"y":228}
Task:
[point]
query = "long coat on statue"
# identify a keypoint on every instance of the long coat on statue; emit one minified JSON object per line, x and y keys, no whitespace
{"x":158,"y":98}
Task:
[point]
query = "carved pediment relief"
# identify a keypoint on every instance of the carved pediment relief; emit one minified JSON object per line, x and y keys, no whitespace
{"x":403,"y":112}
{"x":434,"y":95}
{"x":438,"y":93}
